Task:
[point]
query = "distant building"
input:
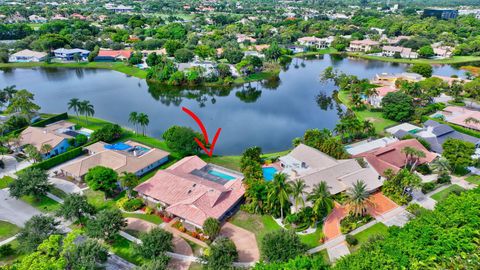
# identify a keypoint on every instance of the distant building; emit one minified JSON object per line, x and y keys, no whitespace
{"x":37,"y":19}
{"x":27,"y":56}
{"x":69,"y":54}
{"x":208,"y":66}
{"x":119,"y":8}
{"x":319,"y":43}
{"x":241,"y":38}
{"x":365,"y":45}
{"x":113,"y":55}
{"x":403,"y":52}
{"x":440,"y":13}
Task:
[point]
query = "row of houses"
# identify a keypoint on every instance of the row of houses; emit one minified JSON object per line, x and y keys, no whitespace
{"x":61,"y":54}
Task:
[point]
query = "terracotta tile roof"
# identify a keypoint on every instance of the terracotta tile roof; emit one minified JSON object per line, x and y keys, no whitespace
{"x":191,"y":197}
{"x":391,"y":156}
{"x":115,"y":53}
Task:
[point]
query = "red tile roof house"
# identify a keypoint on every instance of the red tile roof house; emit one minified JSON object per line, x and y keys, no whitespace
{"x":194,"y":190}
{"x":392,"y":156}
{"x":113,"y":55}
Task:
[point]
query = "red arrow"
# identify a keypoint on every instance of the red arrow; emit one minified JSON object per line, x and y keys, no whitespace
{"x":204,"y":132}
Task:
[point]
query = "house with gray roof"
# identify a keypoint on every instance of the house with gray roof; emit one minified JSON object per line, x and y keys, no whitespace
{"x":313,"y":166}
{"x":436,"y":134}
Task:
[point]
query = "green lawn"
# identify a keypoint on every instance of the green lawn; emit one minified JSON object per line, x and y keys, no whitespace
{"x":97,"y":199}
{"x":442,"y":195}
{"x":10,"y":259}
{"x":474,"y":179}
{"x":453,"y":60}
{"x":312,"y":240}
{"x":117,"y":66}
{"x":377,"y":229}
{"x":7,"y":230}
{"x":58,"y":192}
{"x":4,"y":181}
{"x":377,"y":119}
{"x":44,"y":203}
{"x":150,"y":218}
{"x":323,"y":51}
{"x":324,"y":254}
{"x":125,"y":249}
{"x":195,"y":266}
{"x":259,"y":225}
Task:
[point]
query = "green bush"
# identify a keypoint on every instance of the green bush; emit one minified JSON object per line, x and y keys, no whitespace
{"x":427,"y":187}
{"x":351,"y":222}
{"x":6,"y":250}
{"x":424,"y":169}
{"x":130,"y":204}
{"x":59,"y":159}
{"x":444,"y":178}
{"x":351,"y":240}
{"x":415,"y":208}
{"x":107,"y":133}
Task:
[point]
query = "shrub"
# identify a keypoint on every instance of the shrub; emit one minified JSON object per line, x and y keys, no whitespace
{"x":444,"y":178}
{"x":59,"y":159}
{"x":415,"y":208}
{"x":424,"y":169}
{"x":53,"y":119}
{"x":351,"y":222}
{"x":133,"y":204}
{"x":351,"y":240}
{"x":6,"y":250}
{"x":427,"y":187}
{"x":148,"y":210}
{"x":107,"y":133}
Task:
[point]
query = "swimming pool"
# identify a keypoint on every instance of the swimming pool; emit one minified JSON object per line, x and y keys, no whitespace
{"x":118,"y":146}
{"x":268,"y":173}
{"x":221,"y":175}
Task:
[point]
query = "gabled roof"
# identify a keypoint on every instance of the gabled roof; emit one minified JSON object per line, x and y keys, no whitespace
{"x":190,"y":196}
{"x":392,"y":157}
{"x":51,"y":135}
{"x":312,"y":157}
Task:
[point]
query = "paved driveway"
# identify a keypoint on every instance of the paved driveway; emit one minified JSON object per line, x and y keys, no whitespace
{"x":15,"y":211}
{"x":64,"y":185}
{"x":244,"y":240}
{"x":12,"y":166}
{"x":331,"y":226}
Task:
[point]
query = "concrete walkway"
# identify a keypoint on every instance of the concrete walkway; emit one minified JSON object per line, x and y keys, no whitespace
{"x":338,"y":251}
{"x":8,"y":240}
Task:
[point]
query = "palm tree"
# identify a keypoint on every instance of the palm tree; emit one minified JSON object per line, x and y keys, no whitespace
{"x":298,"y":190}
{"x":143,"y":121}
{"x":129,"y":181}
{"x":321,"y":199}
{"x":358,"y":198}
{"x":87,"y":109}
{"x":10,"y":91}
{"x":441,"y":165}
{"x":412,"y":156}
{"x":279,"y":192}
{"x":133,"y":118}
{"x":74,"y":104}
{"x":46,"y":148}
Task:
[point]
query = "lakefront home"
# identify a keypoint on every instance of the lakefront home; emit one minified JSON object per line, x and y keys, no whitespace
{"x":311,"y":165}
{"x":391,"y":51}
{"x":365,"y":45}
{"x":392,"y":156}
{"x":122,"y":157}
{"x":113,"y":55}
{"x":27,"y":56}
{"x":319,"y":43}
{"x":193,"y":191}
{"x":70,"y":54}
{"x":436,"y":134}
{"x":56,"y":135}
{"x":460,"y":116}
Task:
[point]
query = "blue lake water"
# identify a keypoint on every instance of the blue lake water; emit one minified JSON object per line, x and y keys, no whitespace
{"x":268,"y":115}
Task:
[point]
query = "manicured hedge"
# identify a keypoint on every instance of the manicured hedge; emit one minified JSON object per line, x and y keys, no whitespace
{"x":59,"y":159}
{"x":50,"y":120}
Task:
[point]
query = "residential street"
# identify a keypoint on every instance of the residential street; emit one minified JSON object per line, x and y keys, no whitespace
{"x":15,"y":211}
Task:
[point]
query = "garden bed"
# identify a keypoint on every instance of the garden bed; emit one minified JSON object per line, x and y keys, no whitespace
{"x":350,"y":222}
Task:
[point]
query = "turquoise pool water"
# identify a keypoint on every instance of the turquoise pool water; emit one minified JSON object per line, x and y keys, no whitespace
{"x":221,"y":175}
{"x":268,"y":173}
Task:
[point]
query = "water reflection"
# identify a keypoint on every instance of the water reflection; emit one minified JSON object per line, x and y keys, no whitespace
{"x":268,"y":114}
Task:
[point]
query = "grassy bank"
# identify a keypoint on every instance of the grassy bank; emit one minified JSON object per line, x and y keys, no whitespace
{"x":319,"y":52}
{"x":377,"y":119}
{"x":453,"y":60}
{"x":117,"y":66}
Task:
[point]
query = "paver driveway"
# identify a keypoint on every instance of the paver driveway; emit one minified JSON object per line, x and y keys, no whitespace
{"x":244,"y":240}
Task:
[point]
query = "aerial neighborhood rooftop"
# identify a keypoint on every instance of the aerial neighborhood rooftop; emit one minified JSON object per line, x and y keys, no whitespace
{"x":253,"y":134}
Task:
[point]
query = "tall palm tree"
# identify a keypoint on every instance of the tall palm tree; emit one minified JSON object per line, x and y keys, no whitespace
{"x":321,"y":199}
{"x":129,"y":181}
{"x":74,"y":104}
{"x":87,"y":109}
{"x":441,"y":165}
{"x":358,"y":198}
{"x":46,"y":148}
{"x":143,"y":121}
{"x":10,"y":91}
{"x":412,"y":156}
{"x":298,"y":190}
{"x":133,"y":118}
{"x":279,"y":192}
